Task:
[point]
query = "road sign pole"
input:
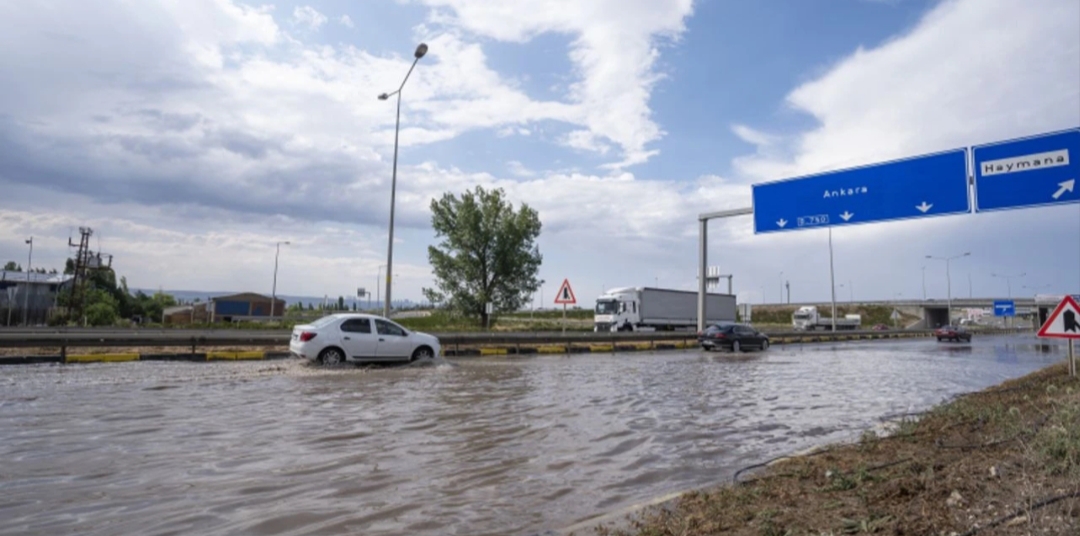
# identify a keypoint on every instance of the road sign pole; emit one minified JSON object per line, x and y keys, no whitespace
{"x":703,"y":255}
{"x":1072,"y":359}
{"x":832,"y":281}
{"x":564,"y":319}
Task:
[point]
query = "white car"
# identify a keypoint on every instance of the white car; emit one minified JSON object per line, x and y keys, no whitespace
{"x":353,"y":337}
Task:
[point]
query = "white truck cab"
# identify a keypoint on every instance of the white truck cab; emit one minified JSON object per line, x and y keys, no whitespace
{"x":617,"y":310}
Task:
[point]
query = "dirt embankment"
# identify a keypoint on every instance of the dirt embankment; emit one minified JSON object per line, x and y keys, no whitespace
{"x":1004,"y":461}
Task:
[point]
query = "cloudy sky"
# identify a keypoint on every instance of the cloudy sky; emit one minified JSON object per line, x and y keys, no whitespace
{"x":191,"y":135}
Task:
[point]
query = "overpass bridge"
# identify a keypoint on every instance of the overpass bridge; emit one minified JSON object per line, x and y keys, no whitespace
{"x":934,"y":312}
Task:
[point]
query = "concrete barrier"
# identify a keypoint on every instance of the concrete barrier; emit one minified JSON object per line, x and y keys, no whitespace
{"x":235,"y":356}
{"x":101,"y":358}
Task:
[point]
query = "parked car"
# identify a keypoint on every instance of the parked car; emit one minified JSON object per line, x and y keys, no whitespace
{"x":952,"y":333}
{"x":353,"y":337}
{"x":733,"y":337}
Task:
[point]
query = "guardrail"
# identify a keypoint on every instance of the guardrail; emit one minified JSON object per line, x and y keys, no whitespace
{"x":194,"y":339}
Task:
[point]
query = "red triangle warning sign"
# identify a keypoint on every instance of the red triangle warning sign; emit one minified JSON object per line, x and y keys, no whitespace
{"x":1064,"y":322}
{"x":565,"y":295}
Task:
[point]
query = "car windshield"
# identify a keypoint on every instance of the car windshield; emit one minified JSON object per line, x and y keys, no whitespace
{"x":607,"y":307}
{"x":802,"y":316}
{"x":323,"y":322}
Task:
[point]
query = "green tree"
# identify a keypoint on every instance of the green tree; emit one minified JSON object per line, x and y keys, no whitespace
{"x":69,"y":267}
{"x":102,"y":308}
{"x":341,"y":303}
{"x":12,"y":267}
{"x":488,"y":253}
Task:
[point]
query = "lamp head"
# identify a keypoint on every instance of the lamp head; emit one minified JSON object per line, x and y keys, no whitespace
{"x":420,"y":51}
{"x":384,"y":96}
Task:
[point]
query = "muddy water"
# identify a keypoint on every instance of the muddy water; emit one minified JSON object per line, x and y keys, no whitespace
{"x":486,"y":446}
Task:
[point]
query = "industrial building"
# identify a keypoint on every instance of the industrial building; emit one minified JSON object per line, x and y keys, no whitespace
{"x":27,"y":297}
{"x":247,"y":306}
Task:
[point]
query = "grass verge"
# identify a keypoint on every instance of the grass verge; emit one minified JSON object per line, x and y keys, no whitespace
{"x":1003,"y":461}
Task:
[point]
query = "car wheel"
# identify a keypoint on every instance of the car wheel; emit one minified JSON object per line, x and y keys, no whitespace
{"x":331,"y":357}
{"x":765,"y":344}
{"x":422,"y":352}
{"x":939,"y":339}
{"x":736,"y":347}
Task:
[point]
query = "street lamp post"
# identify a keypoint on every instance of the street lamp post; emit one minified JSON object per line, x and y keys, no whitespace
{"x":420,"y":51}
{"x":1008,"y":280}
{"x":948,"y":279}
{"x":273,"y":294}
{"x":923,"y":283}
{"x":26,"y":298}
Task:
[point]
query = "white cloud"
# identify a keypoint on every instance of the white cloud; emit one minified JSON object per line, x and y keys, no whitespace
{"x":308,"y":16}
{"x":615,"y":51}
{"x":960,"y":77}
{"x":346,"y":21}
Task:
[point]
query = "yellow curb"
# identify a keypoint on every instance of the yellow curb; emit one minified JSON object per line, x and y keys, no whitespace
{"x":551,"y":350}
{"x":101,"y":358}
{"x":493,"y":351}
{"x":641,"y":345}
{"x":602,"y":347}
{"x":232,"y":356}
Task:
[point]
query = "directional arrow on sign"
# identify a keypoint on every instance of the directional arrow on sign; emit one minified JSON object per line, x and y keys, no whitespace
{"x":924,"y":207}
{"x":782,"y":222}
{"x":846,"y":215}
{"x":1066,"y":186}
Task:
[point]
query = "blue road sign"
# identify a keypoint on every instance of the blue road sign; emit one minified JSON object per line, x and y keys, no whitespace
{"x":1004,"y":308}
{"x":924,"y":186}
{"x":1028,"y":172}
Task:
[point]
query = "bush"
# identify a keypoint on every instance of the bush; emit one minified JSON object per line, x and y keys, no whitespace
{"x":101,"y":314}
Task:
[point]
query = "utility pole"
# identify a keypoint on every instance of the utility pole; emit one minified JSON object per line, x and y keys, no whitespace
{"x":273,"y":295}
{"x":787,"y":284}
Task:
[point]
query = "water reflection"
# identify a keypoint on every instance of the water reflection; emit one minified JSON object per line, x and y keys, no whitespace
{"x":489,"y":446}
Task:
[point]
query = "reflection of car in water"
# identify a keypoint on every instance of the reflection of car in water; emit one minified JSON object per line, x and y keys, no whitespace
{"x":338,"y":338}
{"x":952,"y":333}
{"x":733,"y":337}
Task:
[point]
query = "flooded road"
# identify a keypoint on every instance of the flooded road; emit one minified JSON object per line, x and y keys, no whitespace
{"x":479,"y":446}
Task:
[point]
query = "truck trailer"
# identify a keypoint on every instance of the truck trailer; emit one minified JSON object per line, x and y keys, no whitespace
{"x":657,"y":309}
{"x":807,"y":319}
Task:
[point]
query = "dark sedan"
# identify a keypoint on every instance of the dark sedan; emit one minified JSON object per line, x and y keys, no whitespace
{"x":733,"y":337}
{"x":952,"y":333}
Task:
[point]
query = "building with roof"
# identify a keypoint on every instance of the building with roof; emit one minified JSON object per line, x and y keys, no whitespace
{"x":27,"y":297}
{"x":198,"y":313}
{"x":246,"y":306}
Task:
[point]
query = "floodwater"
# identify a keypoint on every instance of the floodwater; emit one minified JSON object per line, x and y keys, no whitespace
{"x":477,"y":446}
